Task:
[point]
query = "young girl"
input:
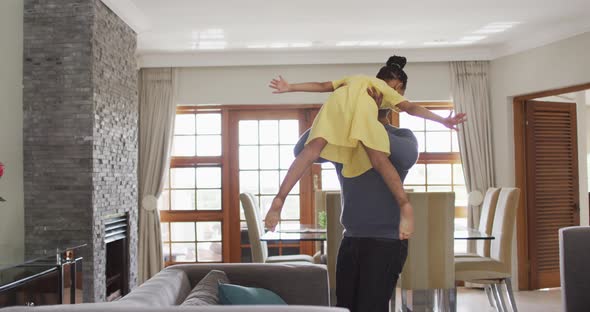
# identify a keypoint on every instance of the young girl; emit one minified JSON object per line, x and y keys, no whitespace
{"x":346,"y":130}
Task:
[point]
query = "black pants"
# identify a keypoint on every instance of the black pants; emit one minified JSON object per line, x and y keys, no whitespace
{"x":367,"y":271}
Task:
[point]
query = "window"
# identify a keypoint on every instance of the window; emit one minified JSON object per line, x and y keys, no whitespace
{"x":218,"y":152}
{"x":191,"y":203}
{"x":439,"y":165}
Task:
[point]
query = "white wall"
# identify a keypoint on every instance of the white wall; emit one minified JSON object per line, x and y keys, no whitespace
{"x":249,"y":85}
{"x":11,"y":125}
{"x":560,"y":64}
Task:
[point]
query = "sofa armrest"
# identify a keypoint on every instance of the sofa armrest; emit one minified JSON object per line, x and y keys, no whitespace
{"x":167,"y":288}
{"x":297,"y":284}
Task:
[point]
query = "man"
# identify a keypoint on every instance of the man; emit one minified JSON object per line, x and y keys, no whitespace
{"x":371,"y":255}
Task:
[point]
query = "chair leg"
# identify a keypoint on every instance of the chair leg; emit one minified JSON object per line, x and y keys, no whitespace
{"x":500,"y":306}
{"x":510,"y":294}
{"x":489,"y":293}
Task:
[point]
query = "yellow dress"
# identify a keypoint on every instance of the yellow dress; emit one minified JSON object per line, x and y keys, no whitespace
{"x":349,"y":117}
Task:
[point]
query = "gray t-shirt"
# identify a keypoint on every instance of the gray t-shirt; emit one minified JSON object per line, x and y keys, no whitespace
{"x":368,"y":207}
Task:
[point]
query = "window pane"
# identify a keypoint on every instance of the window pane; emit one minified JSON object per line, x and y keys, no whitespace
{"x":182,"y":177}
{"x":164,"y":200}
{"x":209,"y":177}
{"x":248,"y":132}
{"x":295,"y":189}
{"x":208,"y":123}
{"x":209,"y":145}
{"x":248,"y":157}
{"x":164,"y":226}
{"x":182,"y":231}
{"x":166,"y":252}
{"x":269,"y":132}
{"x":269,"y":157}
{"x":209,"y":231}
{"x":417,"y":175}
{"x":327,"y":165}
{"x":208,"y":199}
{"x":265,"y":202}
{"x":291,"y":208}
{"x":183,"y":146}
{"x":460,"y":196}
{"x":411,"y":122}
{"x":286,"y":156}
{"x":420,"y":137}
{"x":183,"y":199}
{"x":438,"y":142}
{"x":183,"y":252}
{"x":330,"y":180}
{"x":415,"y":188}
{"x":288,"y":131}
{"x":249,"y":182}
{"x":435,"y":126}
{"x":458,"y":177}
{"x":184,"y":124}
{"x":455,"y":142}
{"x":445,"y":188}
{"x":269,"y":182}
{"x":439,"y":174}
{"x":209,"y":252}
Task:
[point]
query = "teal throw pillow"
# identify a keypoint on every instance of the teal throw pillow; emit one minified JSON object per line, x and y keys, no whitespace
{"x":230,"y":294}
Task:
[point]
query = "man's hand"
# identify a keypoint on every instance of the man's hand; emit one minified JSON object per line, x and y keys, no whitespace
{"x":376,"y":95}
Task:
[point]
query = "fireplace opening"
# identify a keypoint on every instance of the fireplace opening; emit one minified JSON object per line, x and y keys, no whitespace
{"x":117,"y":255}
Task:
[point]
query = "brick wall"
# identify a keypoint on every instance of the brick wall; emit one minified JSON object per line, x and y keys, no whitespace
{"x":80,"y":130}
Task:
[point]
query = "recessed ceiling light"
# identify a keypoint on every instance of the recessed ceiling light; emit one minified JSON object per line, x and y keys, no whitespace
{"x":211,"y":45}
{"x":462,"y":42}
{"x":213,"y":33}
{"x":300,"y":44}
{"x":436,"y":42}
{"x":473,"y":38}
{"x":369,"y":43}
{"x":347,"y":43}
{"x":278,"y":45}
{"x":496,"y":27}
{"x":392,"y":43}
{"x":257,"y":46}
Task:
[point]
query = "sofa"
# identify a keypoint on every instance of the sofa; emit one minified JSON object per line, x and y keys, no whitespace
{"x":303,"y":286}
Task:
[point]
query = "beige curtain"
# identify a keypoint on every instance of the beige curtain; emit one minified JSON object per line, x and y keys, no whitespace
{"x":470,"y":89}
{"x":157,"y":109}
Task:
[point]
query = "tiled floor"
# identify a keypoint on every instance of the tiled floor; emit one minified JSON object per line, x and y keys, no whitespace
{"x":469,"y":300}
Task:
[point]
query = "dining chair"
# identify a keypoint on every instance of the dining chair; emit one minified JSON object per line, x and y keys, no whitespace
{"x":330,"y":202}
{"x":486,"y":220}
{"x":574,"y":257}
{"x":495,"y":271}
{"x":259,"y":249}
{"x":429,"y":272}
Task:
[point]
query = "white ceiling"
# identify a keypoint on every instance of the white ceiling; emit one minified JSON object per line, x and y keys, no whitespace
{"x":170,"y":31}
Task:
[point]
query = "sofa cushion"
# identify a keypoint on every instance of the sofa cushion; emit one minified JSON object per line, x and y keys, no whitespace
{"x":240,"y":295}
{"x":206,"y":291}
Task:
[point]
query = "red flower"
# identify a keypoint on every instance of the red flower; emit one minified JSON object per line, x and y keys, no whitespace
{"x":1,"y":169}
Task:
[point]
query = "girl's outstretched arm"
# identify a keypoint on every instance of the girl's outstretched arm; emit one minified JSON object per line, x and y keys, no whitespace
{"x":281,"y":86}
{"x":450,"y":122}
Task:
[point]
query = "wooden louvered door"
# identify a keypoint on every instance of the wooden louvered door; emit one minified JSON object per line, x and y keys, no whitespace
{"x":552,"y":185}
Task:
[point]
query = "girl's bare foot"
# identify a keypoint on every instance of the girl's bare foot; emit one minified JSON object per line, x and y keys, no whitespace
{"x":274,"y":214}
